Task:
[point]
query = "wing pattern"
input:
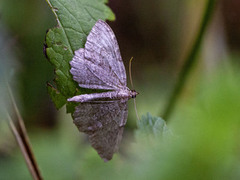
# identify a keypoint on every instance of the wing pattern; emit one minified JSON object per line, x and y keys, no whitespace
{"x":103,"y":121}
{"x":102,"y":65}
{"x":84,"y":75}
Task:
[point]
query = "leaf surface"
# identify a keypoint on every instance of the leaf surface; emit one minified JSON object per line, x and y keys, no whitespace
{"x":75,"y":20}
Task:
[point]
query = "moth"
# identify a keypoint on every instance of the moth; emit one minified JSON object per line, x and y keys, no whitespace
{"x":99,"y":65}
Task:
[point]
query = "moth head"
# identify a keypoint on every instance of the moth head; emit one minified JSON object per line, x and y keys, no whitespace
{"x":134,"y":93}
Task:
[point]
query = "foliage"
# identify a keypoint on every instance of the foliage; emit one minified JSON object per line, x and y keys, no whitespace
{"x":75,"y":20}
{"x":151,"y":126}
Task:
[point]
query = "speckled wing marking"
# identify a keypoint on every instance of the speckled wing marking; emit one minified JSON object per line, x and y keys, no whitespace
{"x":82,"y":73}
{"x":102,"y":49}
{"x":99,"y":65}
{"x":103,"y":121}
{"x":89,"y":116}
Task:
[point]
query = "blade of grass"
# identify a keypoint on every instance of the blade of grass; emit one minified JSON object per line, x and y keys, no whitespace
{"x":190,"y":60}
{"x":22,"y":147}
{"x":20,"y":133}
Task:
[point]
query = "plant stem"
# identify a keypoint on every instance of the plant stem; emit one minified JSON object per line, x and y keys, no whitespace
{"x":22,"y":148}
{"x":19,"y":131}
{"x":190,"y":59}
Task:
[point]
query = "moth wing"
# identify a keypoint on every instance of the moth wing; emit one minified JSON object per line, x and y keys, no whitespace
{"x":83,"y":73}
{"x":102,"y":49}
{"x":103,"y":122}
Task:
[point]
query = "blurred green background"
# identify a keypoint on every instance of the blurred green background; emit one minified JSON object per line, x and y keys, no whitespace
{"x":205,"y":124}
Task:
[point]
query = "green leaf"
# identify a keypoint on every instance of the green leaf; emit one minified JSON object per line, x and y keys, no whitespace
{"x":75,"y":20}
{"x":152,"y":126}
{"x":54,"y":94}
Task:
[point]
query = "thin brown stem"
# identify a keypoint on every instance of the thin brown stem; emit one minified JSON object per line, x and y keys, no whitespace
{"x":22,"y":148}
{"x":22,"y":133}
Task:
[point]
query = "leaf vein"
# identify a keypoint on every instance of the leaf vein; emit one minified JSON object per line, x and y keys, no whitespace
{"x":59,"y":22}
{"x":69,"y":12}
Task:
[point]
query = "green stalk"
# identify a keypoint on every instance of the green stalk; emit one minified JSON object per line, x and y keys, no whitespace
{"x":190,"y":59}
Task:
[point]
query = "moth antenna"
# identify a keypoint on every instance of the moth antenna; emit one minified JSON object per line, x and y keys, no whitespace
{"x":130,"y":76}
{"x":130,"y":71}
{"x":135,"y":106}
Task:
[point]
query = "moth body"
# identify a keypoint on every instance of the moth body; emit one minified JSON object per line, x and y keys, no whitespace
{"x":110,"y":95}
